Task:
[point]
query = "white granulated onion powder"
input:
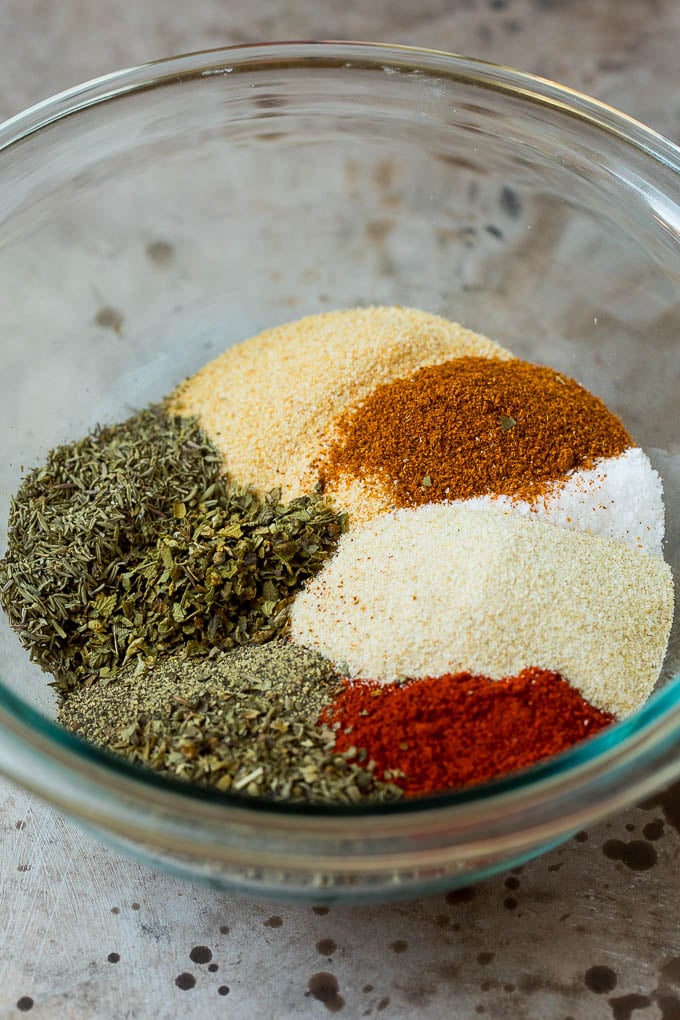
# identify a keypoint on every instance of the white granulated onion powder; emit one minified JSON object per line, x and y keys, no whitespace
{"x":450,"y":587}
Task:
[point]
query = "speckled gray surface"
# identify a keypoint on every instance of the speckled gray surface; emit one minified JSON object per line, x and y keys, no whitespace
{"x":588,"y":931}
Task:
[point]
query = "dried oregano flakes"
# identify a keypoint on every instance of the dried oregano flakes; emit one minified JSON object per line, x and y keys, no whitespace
{"x":131,"y":542}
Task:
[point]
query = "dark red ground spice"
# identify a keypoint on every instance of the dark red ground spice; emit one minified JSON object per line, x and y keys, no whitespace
{"x":453,"y":731}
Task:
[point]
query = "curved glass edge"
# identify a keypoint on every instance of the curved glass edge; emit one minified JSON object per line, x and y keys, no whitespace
{"x":387,"y":892}
{"x":329,"y":53}
{"x":616,"y":743}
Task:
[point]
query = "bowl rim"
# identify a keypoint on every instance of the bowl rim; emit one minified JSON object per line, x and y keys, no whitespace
{"x":645,"y":737}
{"x":317,"y":53}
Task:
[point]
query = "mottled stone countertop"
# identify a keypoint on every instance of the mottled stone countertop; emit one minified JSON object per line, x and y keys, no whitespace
{"x":588,"y":931}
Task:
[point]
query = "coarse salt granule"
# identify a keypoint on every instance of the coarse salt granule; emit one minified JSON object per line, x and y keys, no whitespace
{"x":269,"y":403}
{"x":450,"y":587}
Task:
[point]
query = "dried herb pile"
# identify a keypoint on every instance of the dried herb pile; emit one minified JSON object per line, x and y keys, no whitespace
{"x":130,"y":543}
{"x":243,"y":721}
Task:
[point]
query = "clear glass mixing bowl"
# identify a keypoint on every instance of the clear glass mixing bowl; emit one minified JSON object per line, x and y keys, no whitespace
{"x":152,"y":217}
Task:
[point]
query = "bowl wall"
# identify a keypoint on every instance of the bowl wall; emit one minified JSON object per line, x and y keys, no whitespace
{"x":153,"y":218}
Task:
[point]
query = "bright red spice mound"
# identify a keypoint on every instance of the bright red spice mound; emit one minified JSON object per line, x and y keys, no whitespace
{"x":459,"y":729}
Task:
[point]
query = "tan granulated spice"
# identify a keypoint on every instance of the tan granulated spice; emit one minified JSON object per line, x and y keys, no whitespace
{"x":446,"y":588}
{"x":269,"y":404}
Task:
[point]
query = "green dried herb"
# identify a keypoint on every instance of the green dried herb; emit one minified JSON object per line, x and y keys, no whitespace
{"x":242,"y":721}
{"x":130,"y":543}
{"x":507,"y":422}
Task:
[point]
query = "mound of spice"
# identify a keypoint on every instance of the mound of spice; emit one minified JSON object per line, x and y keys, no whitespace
{"x":450,"y":587}
{"x":468,"y":427}
{"x":301,"y":375}
{"x":243,"y":721}
{"x":620,"y":498}
{"x":129,"y":544}
{"x":448,"y":732}
{"x":77,"y":521}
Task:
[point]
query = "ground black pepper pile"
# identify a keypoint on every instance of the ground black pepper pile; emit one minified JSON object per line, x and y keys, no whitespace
{"x":242,"y":721}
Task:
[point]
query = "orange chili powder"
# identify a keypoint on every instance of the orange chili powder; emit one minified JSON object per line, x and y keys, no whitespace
{"x":446,"y":732}
{"x":472,"y":426}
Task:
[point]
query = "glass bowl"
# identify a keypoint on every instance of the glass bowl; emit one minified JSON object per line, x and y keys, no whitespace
{"x":152,"y":217}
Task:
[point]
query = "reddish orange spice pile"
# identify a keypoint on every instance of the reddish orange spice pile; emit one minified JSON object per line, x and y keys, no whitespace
{"x":472,"y":426}
{"x":443,"y":733}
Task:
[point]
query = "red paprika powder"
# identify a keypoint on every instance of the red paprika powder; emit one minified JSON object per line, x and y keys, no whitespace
{"x":446,"y":732}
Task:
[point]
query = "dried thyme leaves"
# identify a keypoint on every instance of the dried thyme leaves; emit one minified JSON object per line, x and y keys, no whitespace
{"x":78,"y":522}
{"x":133,"y":566}
{"x":129,"y":543}
{"x":242,"y":721}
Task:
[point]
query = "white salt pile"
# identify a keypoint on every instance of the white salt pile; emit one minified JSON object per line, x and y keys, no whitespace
{"x":620,"y":498}
{"x":451,"y":587}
